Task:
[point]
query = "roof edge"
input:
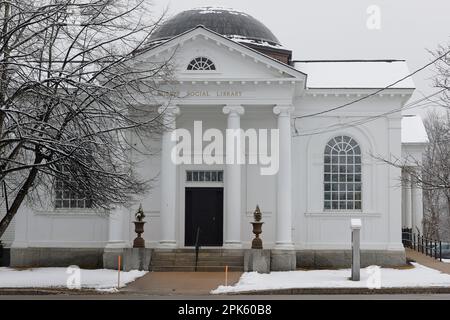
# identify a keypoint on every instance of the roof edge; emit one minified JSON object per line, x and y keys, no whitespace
{"x":352,"y":60}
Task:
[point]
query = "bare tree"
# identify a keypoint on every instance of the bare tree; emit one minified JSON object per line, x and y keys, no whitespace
{"x":435,"y":173}
{"x":441,"y":77}
{"x":73,"y":90}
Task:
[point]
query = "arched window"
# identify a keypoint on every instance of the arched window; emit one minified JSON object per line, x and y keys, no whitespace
{"x":201,"y":63}
{"x":342,"y":174}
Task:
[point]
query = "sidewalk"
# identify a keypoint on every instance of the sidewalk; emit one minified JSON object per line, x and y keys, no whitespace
{"x":427,"y":261}
{"x":180,"y":283}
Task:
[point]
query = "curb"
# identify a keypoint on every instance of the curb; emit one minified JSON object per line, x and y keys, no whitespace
{"x":50,"y":291}
{"x":339,"y":291}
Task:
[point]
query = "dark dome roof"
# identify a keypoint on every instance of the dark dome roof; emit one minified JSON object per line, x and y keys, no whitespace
{"x":227,"y":22}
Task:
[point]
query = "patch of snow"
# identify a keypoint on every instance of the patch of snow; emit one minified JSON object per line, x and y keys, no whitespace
{"x":263,"y":43}
{"x":446,"y":260}
{"x":211,"y":9}
{"x":419,"y":276}
{"x":413,"y":130}
{"x":355,"y":74}
{"x":100,"y":279}
{"x":107,"y":290}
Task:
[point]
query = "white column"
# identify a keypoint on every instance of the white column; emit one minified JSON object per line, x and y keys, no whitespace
{"x":168,"y":180}
{"x":116,"y":228}
{"x":393,"y":190}
{"x":417,"y":207}
{"x":233,"y":177}
{"x":284,"y":188}
{"x":408,"y":200}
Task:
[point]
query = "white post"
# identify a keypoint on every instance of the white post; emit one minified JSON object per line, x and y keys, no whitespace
{"x":233,"y":177}
{"x":168,"y":180}
{"x":284,"y":189}
{"x":355,"y":226}
{"x":408,"y":200}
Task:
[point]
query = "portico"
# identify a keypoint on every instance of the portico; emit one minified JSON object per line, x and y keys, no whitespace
{"x":234,"y":203}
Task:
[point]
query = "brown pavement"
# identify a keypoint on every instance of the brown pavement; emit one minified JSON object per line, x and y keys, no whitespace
{"x":427,"y":261}
{"x":180,"y":283}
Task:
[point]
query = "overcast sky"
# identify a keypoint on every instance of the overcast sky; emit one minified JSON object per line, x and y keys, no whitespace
{"x":330,"y":29}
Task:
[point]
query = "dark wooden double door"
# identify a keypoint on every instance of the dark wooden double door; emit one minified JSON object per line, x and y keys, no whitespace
{"x":204,"y":215}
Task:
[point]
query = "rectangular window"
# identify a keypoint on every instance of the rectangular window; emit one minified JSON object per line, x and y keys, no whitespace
{"x":204,"y":176}
{"x":66,"y":197}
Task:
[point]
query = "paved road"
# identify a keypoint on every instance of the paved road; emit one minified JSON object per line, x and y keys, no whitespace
{"x":182,"y":283}
{"x":240,"y":297}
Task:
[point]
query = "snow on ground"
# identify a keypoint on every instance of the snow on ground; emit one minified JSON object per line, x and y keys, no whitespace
{"x":371,"y":277}
{"x":446,"y":260}
{"x":100,"y":279}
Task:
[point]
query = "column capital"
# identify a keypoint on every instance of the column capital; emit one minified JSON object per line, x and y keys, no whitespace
{"x":169,"y":110}
{"x":283,"y":110}
{"x":233,"y":110}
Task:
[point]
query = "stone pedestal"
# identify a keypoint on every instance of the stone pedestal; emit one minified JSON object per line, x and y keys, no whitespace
{"x":132,"y":258}
{"x":283,"y":260}
{"x":110,"y":260}
{"x":257,"y":260}
{"x":137,"y":259}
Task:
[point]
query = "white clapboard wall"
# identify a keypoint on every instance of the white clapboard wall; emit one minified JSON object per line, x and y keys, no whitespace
{"x":8,"y":236}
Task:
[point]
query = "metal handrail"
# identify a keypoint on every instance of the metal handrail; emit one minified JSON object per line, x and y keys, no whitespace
{"x":197,"y":248}
{"x":421,"y":244}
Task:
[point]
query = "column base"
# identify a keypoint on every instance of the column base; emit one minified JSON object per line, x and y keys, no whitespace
{"x":284,"y":246}
{"x":116,"y":244}
{"x":167,"y":244}
{"x":232,"y":245}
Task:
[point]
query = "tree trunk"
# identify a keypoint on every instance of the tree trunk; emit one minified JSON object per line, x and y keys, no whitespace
{"x":11,"y":211}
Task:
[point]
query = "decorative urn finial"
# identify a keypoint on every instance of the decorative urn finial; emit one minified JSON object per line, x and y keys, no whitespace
{"x":257,"y":214}
{"x":139,"y":242}
{"x":257,"y":229}
{"x":139,"y":215}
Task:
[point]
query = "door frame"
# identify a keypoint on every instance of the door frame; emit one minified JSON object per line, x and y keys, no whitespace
{"x":183,"y":184}
{"x":216,"y":214}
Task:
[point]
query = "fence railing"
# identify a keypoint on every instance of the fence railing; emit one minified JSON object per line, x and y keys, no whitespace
{"x":419,"y":243}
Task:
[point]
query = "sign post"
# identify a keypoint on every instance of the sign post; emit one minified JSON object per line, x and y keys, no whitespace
{"x":355,"y":226}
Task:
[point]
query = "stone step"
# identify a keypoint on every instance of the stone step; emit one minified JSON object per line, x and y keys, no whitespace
{"x":208,"y":260}
{"x":192,"y":257}
{"x":201,"y":254}
{"x":215,"y":251}
{"x":199,"y":268}
{"x":200,"y":263}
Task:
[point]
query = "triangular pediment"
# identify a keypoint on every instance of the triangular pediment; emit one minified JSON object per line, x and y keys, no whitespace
{"x":232,"y":60}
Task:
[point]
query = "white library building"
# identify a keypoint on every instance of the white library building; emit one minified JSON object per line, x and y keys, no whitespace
{"x":331,"y":132}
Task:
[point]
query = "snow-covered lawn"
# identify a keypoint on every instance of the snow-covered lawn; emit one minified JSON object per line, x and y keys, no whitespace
{"x":371,"y":277}
{"x":100,"y":279}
